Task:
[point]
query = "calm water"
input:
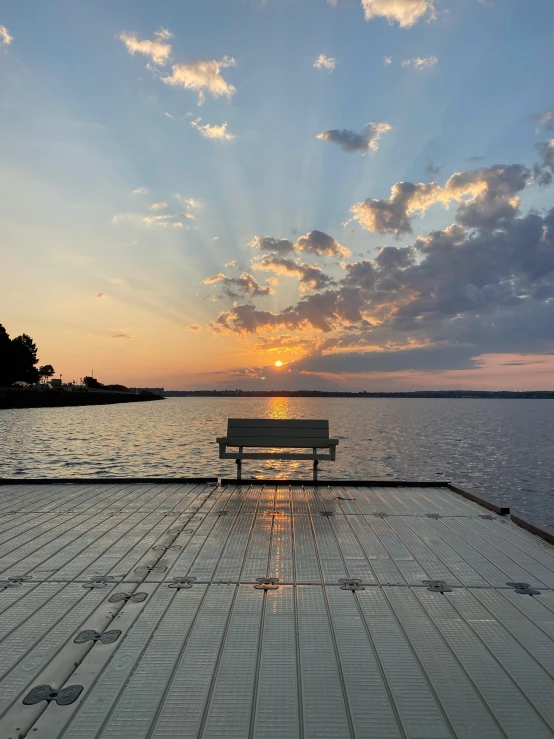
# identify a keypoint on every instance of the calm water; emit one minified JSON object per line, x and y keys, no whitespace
{"x":502,"y":448}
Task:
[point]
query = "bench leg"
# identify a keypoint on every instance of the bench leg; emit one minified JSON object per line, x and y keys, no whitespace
{"x":239,"y":468}
{"x":316,"y":462}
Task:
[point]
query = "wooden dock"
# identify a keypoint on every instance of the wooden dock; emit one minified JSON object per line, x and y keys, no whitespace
{"x":162,"y":609}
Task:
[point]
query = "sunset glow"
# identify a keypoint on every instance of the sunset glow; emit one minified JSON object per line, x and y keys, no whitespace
{"x":181,"y":203}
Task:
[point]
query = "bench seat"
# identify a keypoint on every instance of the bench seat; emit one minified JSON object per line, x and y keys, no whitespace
{"x":270,"y":433}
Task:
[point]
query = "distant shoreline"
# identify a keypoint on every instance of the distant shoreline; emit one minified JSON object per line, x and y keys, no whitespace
{"x":28,"y":398}
{"x":498,"y":394}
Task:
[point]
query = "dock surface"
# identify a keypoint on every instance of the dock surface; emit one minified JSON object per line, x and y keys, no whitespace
{"x":167,"y":610}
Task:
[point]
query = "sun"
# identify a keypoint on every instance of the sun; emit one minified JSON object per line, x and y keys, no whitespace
{"x":278,"y":363}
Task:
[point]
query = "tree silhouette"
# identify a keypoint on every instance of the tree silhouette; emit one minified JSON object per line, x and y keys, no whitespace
{"x":24,"y":358}
{"x":18,"y":359}
{"x":46,"y":371}
{"x":5,"y":358}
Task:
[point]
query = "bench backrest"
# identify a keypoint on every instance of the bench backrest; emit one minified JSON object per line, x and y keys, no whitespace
{"x":263,"y":430}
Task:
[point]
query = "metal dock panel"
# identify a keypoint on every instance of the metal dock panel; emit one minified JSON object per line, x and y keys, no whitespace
{"x":505,"y":700}
{"x":100,"y":548}
{"x":44,"y":643}
{"x":184,"y":703}
{"x":527,"y":673}
{"x":201,"y":529}
{"x":429,"y":561}
{"x":299,"y":500}
{"x":232,"y":558}
{"x":507,"y":546}
{"x":133,"y":715}
{"x":369,"y":699}
{"x":98,"y":704}
{"x":490,"y":572}
{"x":323,"y":699}
{"x":328,"y":552}
{"x":353,"y":555}
{"x":419,"y":711}
{"x":461,"y":569}
{"x":306,"y":562}
{"x":487,"y":547}
{"x":310,"y":656}
{"x":363,"y":501}
{"x":412,"y":571}
{"x":206,"y":564}
{"x":256,"y":560}
{"x":532,"y":637}
{"x":231,"y":703}
{"x":383,"y":566}
{"x":277,"y":709}
{"x":459,"y":698}
{"x":281,"y":557}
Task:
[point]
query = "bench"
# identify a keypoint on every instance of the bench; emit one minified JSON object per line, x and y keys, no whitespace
{"x":277,"y":434}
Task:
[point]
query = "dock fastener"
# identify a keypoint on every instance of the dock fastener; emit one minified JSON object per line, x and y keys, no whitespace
{"x":266,"y":583}
{"x":437,"y":586}
{"x":181,"y":582}
{"x":134,"y":597}
{"x":523,"y":588}
{"x":63,"y":697}
{"x":351,"y":584}
{"x":108,"y":637}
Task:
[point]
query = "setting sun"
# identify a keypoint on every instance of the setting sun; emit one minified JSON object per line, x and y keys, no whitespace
{"x":278,"y":363}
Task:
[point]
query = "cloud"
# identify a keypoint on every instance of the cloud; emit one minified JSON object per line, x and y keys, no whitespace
{"x":100,"y":295}
{"x":321,"y":243}
{"x":194,"y":327}
{"x":325,"y":62}
{"x":5,"y":38}
{"x":157,"y":50}
{"x":545,"y":120}
{"x":189,"y":202}
{"x":475,"y":159}
{"x":123,"y":336}
{"x":158,"y":206}
{"x":201,"y":76}
{"x":388,"y":60}
{"x":212,"y":132}
{"x":433,"y":170}
{"x":315,"y":242}
{"x":404,"y":12}
{"x":266,"y":243}
{"x":163,"y":33}
{"x":368,"y":138}
{"x":235,"y":287}
{"x":425,"y":358}
{"x":546,"y":153}
{"x":483,"y":194}
{"x":309,"y":276}
{"x":189,"y":216}
{"x":140,"y":191}
{"x":420,"y":62}
{"x":232,"y":263}
{"x":138,"y":220}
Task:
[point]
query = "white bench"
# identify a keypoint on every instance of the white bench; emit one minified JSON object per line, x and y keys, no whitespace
{"x":277,"y":434}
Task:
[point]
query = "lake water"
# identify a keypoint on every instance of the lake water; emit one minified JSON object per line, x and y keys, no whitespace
{"x":502,"y":449}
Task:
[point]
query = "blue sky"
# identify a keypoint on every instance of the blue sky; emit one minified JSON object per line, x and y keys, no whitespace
{"x":85,"y":122}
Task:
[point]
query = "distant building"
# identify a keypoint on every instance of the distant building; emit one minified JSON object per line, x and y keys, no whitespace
{"x":153,"y":390}
{"x":56,"y":382}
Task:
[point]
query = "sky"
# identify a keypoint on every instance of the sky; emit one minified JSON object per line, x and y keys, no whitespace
{"x":358,"y":190}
